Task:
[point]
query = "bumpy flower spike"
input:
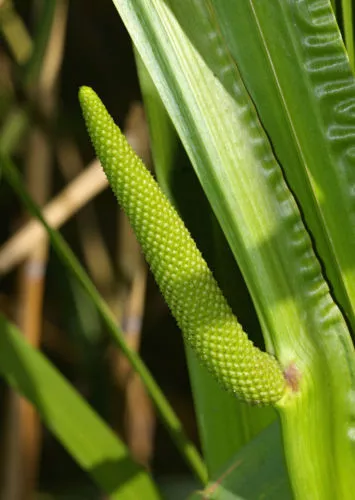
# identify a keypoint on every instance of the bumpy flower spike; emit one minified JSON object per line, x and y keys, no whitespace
{"x":183,"y":276}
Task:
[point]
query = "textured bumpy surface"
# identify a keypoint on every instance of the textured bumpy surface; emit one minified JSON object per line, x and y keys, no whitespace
{"x":183,"y":276}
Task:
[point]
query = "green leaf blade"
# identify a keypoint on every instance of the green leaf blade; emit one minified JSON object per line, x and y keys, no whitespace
{"x":305,"y":100}
{"x":86,"y":437}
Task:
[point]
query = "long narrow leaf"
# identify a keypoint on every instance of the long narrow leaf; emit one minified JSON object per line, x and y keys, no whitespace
{"x":86,"y":437}
{"x":294,"y":64}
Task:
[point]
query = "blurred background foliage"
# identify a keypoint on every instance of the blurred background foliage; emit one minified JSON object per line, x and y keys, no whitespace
{"x":96,"y":51}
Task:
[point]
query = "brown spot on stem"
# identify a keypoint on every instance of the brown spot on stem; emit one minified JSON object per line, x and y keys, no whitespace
{"x":293,"y":376}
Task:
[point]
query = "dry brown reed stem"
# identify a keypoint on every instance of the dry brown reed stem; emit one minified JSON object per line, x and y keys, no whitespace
{"x":61,"y":208}
{"x":134,"y":273}
{"x":94,"y":248}
{"x":96,"y":255}
{"x":89,"y":183}
{"x":30,"y":298}
{"x":139,"y":417}
{"x":38,"y":162}
{"x":54,"y":339}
